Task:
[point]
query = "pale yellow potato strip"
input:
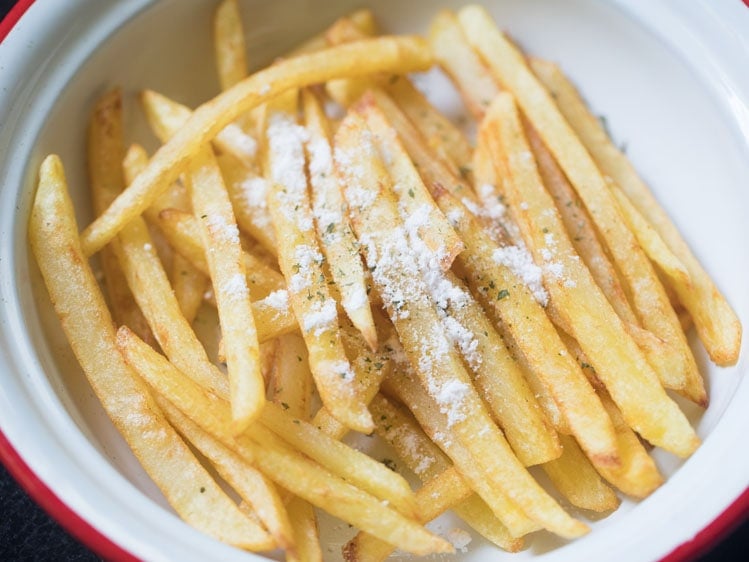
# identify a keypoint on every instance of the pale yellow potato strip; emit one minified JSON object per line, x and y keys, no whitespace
{"x":53,"y":235}
{"x":105,"y":152}
{"x":589,"y":318}
{"x":375,"y":220}
{"x":370,"y":368}
{"x":237,"y":162}
{"x":440,"y":134}
{"x":478,"y":475}
{"x":291,"y":388}
{"x":638,"y":476}
{"x":424,"y":458}
{"x":654,"y":246}
{"x":182,"y":230}
{"x":288,"y":468}
{"x":359,"y":469}
{"x":413,"y":195}
{"x":306,"y":533}
{"x":386,"y":54}
{"x":500,"y":380}
{"x":716,"y":323}
{"x":248,"y":191}
{"x":333,"y":229}
{"x":456,"y":57}
{"x":301,"y":263}
{"x":577,"y":480}
{"x":433,"y":499}
{"x":249,"y":483}
{"x":291,"y":380}
{"x":649,"y":300}
{"x":189,"y":286}
{"x":228,"y":42}
{"x":149,"y":283}
{"x":363,"y":19}
{"x":524,"y":322}
{"x":229,"y":278}
{"x":188,"y":282}
{"x":430,"y":165}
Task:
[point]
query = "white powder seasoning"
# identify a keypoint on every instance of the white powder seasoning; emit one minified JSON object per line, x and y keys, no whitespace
{"x":519,"y":261}
{"x":459,"y":538}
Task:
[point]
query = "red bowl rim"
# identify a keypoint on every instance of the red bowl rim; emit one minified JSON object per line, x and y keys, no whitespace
{"x":717,"y":529}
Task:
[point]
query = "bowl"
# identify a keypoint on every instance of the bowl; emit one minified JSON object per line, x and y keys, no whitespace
{"x":670,"y":79}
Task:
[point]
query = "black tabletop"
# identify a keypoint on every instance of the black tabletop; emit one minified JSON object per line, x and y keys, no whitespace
{"x":28,"y":533}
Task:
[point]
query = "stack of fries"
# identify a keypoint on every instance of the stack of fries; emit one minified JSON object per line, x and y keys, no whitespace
{"x":482,"y":309}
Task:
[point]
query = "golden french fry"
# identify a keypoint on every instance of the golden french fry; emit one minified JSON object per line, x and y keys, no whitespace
{"x":440,"y":134}
{"x":363,"y":19}
{"x":361,"y":470}
{"x":402,"y":432}
{"x":254,"y":488}
{"x":716,"y":323}
{"x":182,"y":230}
{"x":456,"y":57}
{"x":301,"y":263}
{"x":387,"y":54}
{"x":188,"y":282}
{"x":288,"y":468}
{"x":586,"y":313}
{"x":577,"y":480}
{"x":306,"y":535}
{"x":370,"y":369}
{"x":231,"y":58}
{"x":651,"y":242}
{"x":291,"y":379}
{"x":248,"y":193}
{"x":291,"y":388}
{"x":436,"y":231}
{"x":53,"y":235}
{"x":638,"y":474}
{"x":522,"y":319}
{"x":333,"y":229}
{"x":229,"y":278}
{"x":644,"y":289}
{"x":375,"y":220}
{"x":105,"y":154}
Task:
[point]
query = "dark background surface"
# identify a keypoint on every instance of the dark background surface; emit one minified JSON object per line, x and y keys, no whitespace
{"x":27,"y":533}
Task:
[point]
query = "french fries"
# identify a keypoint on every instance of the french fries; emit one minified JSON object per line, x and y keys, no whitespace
{"x":53,"y":235}
{"x":716,"y":323}
{"x":481,"y":309}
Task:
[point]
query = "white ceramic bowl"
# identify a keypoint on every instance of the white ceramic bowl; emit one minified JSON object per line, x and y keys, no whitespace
{"x":671,"y":79}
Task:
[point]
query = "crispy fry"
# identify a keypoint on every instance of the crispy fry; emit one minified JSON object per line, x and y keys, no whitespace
{"x":301,"y":263}
{"x":291,"y":388}
{"x":333,"y":229}
{"x":456,"y":57}
{"x":254,"y":488}
{"x":229,"y":278}
{"x":524,"y":322}
{"x":413,"y":196}
{"x":574,"y":476}
{"x":231,"y":58}
{"x":576,"y":298}
{"x":387,"y":54}
{"x":288,"y":468}
{"x":428,"y":462}
{"x":105,"y":154}
{"x":374,"y":217}
{"x":53,"y":235}
{"x":716,"y":323}
{"x":183,"y":232}
{"x":188,"y":282}
{"x":641,"y":282}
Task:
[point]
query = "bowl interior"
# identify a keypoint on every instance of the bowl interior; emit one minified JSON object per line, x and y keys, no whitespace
{"x":676,"y":129}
